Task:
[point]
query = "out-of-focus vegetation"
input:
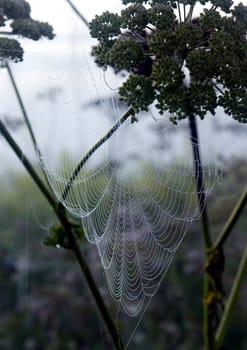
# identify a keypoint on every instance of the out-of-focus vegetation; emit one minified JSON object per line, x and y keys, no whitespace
{"x":45,"y":303}
{"x":15,"y":18}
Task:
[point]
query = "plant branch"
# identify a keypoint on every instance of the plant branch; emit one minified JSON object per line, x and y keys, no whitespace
{"x":229,"y":307}
{"x":6,"y":33}
{"x":201,"y":198}
{"x":218,"y":88}
{"x":179,"y":11}
{"x":237,"y":211}
{"x":190,"y":13}
{"x":80,"y":165}
{"x":24,"y":160}
{"x":74,"y":8}
{"x":184,"y":9}
{"x":60,"y":213}
{"x":90,"y":281}
{"x":199,"y":180}
{"x":26,"y":119}
{"x":23,"y":109}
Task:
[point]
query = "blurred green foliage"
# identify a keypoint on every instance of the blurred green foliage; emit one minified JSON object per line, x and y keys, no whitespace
{"x":45,"y":304}
{"x":16,"y":20}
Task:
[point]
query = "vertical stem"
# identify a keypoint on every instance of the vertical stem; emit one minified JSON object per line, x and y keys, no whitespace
{"x":27,"y":120}
{"x":23,"y":109}
{"x":179,"y":11}
{"x":190,"y":13}
{"x":229,"y":307}
{"x":199,"y":180}
{"x":184,"y":8}
{"x":208,"y":331}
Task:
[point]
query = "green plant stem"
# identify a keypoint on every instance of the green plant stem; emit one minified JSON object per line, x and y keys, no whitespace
{"x":229,"y":307}
{"x":91,"y":283}
{"x":80,"y":165}
{"x":184,"y":8}
{"x":27,"y":120}
{"x":227,"y":229}
{"x":23,"y":109}
{"x":74,"y":8}
{"x":2,"y":32}
{"x":190,"y":13}
{"x":60,"y":213}
{"x":209,"y":342}
{"x":232,"y":298}
{"x":179,"y":11}
{"x":201,"y":198}
{"x":24,"y":160}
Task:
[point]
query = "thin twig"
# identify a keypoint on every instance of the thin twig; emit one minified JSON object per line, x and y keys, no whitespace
{"x":218,"y":88}
{"x":74,"y":8}
{"x":190,"y":13}
{"x":80,"y":165}
{"x":179,"y":11}
{"x":231,"y":301}
{"x":6,"y":33}
{"x":184,"y":8}
{"x":227,"y":229}
{"x":27,"y":121}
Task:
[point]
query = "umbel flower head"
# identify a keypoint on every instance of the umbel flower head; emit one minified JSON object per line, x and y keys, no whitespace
{"x":163,"y":45}
{"x":16,"y":15}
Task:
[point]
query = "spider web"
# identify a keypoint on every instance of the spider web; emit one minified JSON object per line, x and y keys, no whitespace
{"x":135,"y":194}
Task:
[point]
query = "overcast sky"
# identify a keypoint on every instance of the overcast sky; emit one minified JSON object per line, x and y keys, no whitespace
{"x":57,"y":10}
{"x":71,"y":36}
{"x":31,"y":75}
{"x":59,"y":14}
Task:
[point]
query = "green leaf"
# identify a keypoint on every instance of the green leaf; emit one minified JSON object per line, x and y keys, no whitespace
{"x":57,"y":238}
